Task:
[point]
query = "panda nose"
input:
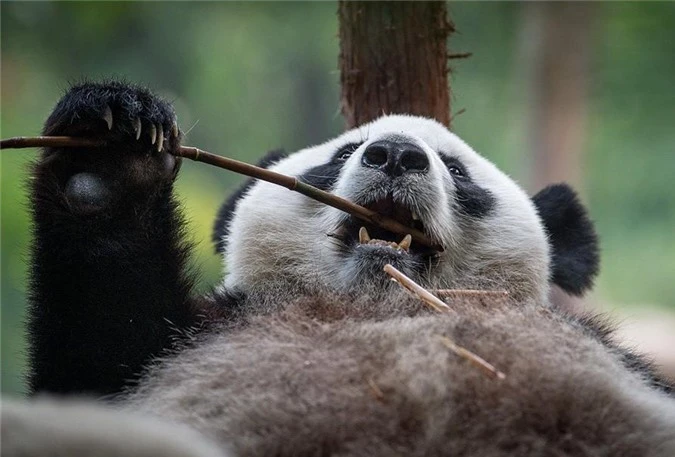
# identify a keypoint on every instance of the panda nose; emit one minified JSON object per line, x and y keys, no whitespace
{"x":395,"y":159}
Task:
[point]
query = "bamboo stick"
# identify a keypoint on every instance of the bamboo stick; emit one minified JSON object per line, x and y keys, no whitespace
{"x":289,"y":182}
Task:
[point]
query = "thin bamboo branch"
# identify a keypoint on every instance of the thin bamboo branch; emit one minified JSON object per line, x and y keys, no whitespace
{"x":453,"y":293}
{"x":477,"y":360}
{"x":375,"y":389}
{"x":289,"y":182}
{"x":21,"y":142}
{"x":423,"y":294}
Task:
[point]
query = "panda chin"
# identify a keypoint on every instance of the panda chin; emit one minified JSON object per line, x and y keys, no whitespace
{"x":364,"y":266}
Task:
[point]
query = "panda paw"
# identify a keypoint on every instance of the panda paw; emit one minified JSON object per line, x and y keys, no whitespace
{"x":139,"y":134}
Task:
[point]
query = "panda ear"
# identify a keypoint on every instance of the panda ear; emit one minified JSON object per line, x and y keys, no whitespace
{"x":573,"y":241}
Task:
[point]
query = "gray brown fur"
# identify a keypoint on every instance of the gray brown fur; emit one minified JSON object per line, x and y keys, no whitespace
{"x":331,"y":376}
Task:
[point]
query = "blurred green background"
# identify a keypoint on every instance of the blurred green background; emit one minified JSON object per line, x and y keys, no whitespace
{"x":249,"y":77}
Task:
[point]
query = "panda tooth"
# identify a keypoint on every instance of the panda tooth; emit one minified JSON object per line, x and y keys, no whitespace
{"x":364,"y":237}
{"x":405,"y":242}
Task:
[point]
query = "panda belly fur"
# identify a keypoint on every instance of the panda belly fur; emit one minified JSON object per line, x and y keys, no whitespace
{"x":307,"y":348}
{"x":314,"y":381}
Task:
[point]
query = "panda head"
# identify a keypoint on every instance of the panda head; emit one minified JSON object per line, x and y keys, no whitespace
{"x":413,"y":170}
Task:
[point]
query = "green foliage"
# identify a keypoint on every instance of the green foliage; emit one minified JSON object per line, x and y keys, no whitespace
{"x":249,"y":77}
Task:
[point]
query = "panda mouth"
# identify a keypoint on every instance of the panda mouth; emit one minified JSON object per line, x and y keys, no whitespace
{"x":363,"y":235}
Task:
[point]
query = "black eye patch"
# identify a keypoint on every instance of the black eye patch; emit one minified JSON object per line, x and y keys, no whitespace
{"x":346,"y":151}
{"x":324,"y":176}
{"x":455,"y":167}
{"x":474,"y":200}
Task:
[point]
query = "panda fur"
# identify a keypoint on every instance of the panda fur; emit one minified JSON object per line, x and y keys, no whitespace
{"x":307,"y":348}
{"x":461,"y":214}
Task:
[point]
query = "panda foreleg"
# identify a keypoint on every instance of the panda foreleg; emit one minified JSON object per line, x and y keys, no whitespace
{"x":109,"y":289}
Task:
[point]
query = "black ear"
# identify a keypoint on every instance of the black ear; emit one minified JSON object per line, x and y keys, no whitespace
{"x":574,"y":244}
{"x":221,"y":227}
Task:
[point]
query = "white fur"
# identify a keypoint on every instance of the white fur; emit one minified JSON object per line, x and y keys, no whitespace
{"x":277,"y":234}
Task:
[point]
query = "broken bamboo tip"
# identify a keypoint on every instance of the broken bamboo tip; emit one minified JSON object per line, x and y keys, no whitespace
{"x":485,"y":366}
{"x":423,"y":294}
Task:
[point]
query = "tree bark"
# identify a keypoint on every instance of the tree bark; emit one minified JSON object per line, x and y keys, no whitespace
{"x":393,"y":59}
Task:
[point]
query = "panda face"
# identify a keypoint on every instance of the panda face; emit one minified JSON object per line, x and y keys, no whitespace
{"x":408,"y":168}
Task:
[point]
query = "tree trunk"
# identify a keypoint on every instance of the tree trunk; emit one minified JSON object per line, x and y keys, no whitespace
{"x":393,"y":59}
{"x":559,"y":56}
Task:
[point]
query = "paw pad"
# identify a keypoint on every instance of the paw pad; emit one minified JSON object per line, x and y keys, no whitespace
{"x":87,"y":193}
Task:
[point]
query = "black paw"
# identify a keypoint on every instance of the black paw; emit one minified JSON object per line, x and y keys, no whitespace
{"x":139,"y":134}
{"x":114,"y":111}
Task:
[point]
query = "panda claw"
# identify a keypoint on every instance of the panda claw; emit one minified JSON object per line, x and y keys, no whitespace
{"x":137,"y":127}
{"x":108,"y":116}
{"x":160,"y":138}
{"x":153,"y":133}
{"x":174,"y":129}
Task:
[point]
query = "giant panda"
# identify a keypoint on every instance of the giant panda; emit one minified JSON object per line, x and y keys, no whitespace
{"x":307,"y":347}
